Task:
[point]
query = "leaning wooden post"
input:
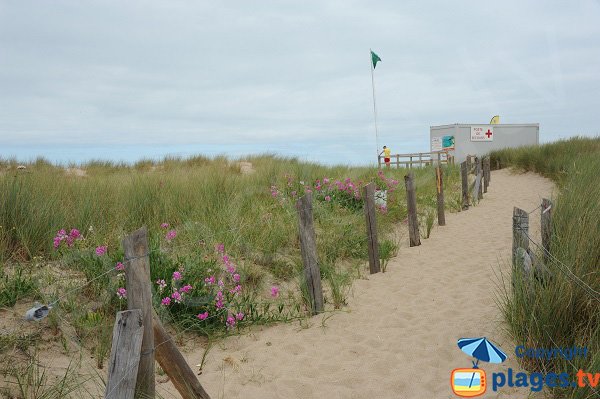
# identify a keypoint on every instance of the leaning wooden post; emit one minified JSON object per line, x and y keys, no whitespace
{"x":520,"y":232}
{"x":411,"y":203}
{"x":440,"y":195}
{"x":371,"y":219}
{"x":139,"y":296}
{"x":308,"y":248}
{"x":173,"y":363}
{"x":464,"y":174}
{"x":546,"y":227}
{"x":125,"y":355}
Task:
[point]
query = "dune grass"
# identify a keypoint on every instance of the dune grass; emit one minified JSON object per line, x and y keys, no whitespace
{"x":561,"y":311}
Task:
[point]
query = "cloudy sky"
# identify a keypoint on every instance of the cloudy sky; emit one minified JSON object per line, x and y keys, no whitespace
{"x":128,"y":79}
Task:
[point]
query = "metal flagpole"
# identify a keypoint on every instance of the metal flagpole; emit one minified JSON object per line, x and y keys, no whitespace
{"x":374,"y":102}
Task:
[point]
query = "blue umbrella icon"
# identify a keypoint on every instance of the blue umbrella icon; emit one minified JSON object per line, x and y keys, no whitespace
{"x":481,"y":349}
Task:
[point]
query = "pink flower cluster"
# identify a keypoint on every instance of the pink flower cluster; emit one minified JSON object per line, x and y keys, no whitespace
{"x":101,"y":250}
{"x":122,"y":293}
{"x":68,"y":239}
{"x":178,"y":294}
{"x":171,"y":234}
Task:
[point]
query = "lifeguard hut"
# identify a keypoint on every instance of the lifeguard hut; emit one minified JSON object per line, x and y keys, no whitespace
{"x":480,"y":139}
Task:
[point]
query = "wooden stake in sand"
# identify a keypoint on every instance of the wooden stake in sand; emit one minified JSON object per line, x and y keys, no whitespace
{"x":125,"y":355}
{"x":464,"y":174}
{"x":520,"y":231}
{"x":174,"y":364}
{"x":371,"y":221}
{"x":308,"y":248}
{"x":486,"y":173}
{"x":411,"y":203}
{"x":139,"y":296}
{"x":546,"y":226}
{"x":440,"y":195}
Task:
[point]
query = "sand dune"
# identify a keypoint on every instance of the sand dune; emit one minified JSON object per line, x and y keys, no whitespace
{"x":397,"y":337}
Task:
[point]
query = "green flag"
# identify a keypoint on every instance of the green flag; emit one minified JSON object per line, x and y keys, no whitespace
{"x":375,"y":58}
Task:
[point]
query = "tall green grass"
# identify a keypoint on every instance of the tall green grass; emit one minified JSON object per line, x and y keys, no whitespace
{"x":558,"y":311}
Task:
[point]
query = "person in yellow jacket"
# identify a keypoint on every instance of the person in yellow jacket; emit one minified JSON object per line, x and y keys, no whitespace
{"x":386,"y":156}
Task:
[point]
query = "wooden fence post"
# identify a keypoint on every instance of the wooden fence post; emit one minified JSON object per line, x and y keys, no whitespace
{"x":546,"y":226}
{"x":478,"y":182}
{"x":440,"y":195}
{"x":486,"y":173}
{"x":125,"y":355}
{"x":174,"y":364}
{"x":370,"y":215}
{"x":464,"y":174}
{"x":379,"y":161}
{"x":411,"y":203}
{"x":520,"y":232}
{"x":308,"y":248}
{"x":139,"y":296}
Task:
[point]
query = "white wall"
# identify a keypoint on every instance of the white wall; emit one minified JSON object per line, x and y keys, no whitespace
{"x":505,"y":136}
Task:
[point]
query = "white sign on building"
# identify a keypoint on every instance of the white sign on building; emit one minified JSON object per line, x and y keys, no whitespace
{"x":436,"y":144}
{"x":482,"y":133}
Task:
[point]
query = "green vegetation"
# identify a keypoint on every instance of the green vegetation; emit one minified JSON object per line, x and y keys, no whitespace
{"x":562,"y":310}
{"x":208,"y":221}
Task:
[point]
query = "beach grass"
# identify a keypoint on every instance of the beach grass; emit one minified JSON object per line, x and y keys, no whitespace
{"x":561,"y":309}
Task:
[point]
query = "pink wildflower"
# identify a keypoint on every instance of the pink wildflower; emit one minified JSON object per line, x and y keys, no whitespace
{"x":75,"y":234}
{"x":176,"y":296}
{"x":325,"y":180}
{"x":210,"y":280}
{"x":221,"y":283}
{"x":236,"y":278}
{"x":230,"y":321}
{"x":122,"y":293}
{"x":170,"y":235}
{"x":166,"y":301}
{"x":164,"y":225}
{"x":176,"y":276}
{"x":327,"y":198}
{"x":185,"y":289}
{"x":230,"y":268}
{"x":239,"y":316}
{"x":219,"y":304}
{"x":161,"y":284}
{"x":101,"y":250}
{"x":203,"y":316}
{"x":220,"y":248}
{"x":274,"y":291}
{"x":236,"y":290}
{"x":119,"y":266}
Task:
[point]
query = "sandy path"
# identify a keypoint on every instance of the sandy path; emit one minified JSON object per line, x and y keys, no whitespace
{"x":398,"y":336}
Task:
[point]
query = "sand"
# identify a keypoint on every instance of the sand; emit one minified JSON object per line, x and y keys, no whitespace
{"x":397,"y":336}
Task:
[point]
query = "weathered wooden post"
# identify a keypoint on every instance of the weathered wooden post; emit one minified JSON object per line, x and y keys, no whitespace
{"x":464,"y":174}
{"x":379,"y":161}
{"x":440,"y":195}
{"x":308,"y":248}
{"x":371,"y":219}
{"x":411,"y":203}
{"x":173,"y":363}
{"x":139,"y":296}
{"x":486,"y":173}
{"x":125,"y":355}
{"x":520,"y":232}
{"x":478,"y":183}
{"x":546,"y":227}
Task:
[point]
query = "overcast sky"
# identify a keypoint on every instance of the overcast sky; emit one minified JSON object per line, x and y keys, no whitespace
{"x":127,"y":79}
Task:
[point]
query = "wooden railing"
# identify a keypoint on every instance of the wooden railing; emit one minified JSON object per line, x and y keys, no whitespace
{"x":419,"y":159}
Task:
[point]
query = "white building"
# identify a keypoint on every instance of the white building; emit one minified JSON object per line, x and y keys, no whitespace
{"x":480,"y":139}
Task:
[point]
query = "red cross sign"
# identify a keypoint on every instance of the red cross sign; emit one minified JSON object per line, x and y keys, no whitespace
{"x":482,"y":133}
